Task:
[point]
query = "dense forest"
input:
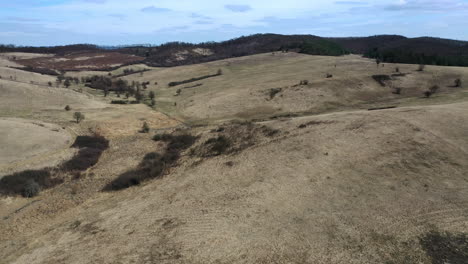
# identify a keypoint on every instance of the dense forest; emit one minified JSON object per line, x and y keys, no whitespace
{"x":399,"y":49}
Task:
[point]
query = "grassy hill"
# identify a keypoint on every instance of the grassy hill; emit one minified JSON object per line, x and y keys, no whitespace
{"x":268,"y":85}
{"x":269,"y":158}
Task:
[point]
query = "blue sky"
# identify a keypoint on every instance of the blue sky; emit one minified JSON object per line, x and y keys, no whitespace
{"x":117,"y":22}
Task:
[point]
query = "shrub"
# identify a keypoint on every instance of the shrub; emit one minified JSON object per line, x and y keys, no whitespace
{"x":274,"y":91}
{"x":381,"y":78}
{"x":397,"y":90}
{"x":458,"y":82}
{"x":67,"y":83}
{"x":145,"y":128}
{"x":67,"y":108}
{"x":218,"y":145}
{"x":397,"y":69}
{"x":427,"y":94}
{"x":445,"y":247}
{"x":79,"y":117}
{"x":154,"y":164}
{"x":31,"y":189}
{"x":86,"y":158}
{"x":218,"y":73}
{"x":91,"y":148}
{"x":96,"y":141}
{"x":20,"y":183}
{"x":119,"y":102}
{"x":434,"y":89}
{"x":329,"y":75}
{"x":304,"y":82}
{"x":158,"y":137}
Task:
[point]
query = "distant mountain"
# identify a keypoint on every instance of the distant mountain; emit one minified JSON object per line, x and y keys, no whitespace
{"x":58,"y":50}
{"x":178,"y":53}
{"x":387,"y":48}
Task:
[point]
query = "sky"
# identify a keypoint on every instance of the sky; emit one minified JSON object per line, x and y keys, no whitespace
{"x":124,"y":22}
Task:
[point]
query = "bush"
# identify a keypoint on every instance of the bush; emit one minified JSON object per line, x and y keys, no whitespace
{"x":78,"y":116}
{"x":434,"y":89}
{"x":91,"y":148}
{"x":154,"y":164}
{"x":458,"y":82}
{"x":67,"y":108}
{"x":304,"y":82}
{"x":145,"y":128}
{"x":381,"y":78}
{"x":274,"y":91}
{"x":329,"y":75}
{"x":31,"y":189}
{"x":122,"y":102}
{"x":218,"y":145}
{"x":445,"y":247}
{"x":171,"y":84}
{"x":397,"y":91}
{"x":20,"y":183}
{"x":427,"y":94}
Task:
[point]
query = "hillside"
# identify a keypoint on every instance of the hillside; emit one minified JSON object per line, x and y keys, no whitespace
{"x":269,"y":85}
{"x":278,"y":157}
{"x":335,"y":188}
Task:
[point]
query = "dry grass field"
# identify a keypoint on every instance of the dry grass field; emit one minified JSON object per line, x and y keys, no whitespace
{"x":300,"y":174}
{"x":243,"y":91}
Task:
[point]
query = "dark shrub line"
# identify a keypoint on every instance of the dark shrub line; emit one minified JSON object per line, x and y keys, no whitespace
{"x":381,"y":79}
{"x":91,"y":148}
{"x":154,"y":164}
{"x":29,"y":183}
{"x":445,"y":247}
{"x":193,"y":86}
{"x":129,"y":72}
{"x":38,"y":70}
{"x":217,"y":145}
{"x":172,"y":84}
{"x":273,"y":92}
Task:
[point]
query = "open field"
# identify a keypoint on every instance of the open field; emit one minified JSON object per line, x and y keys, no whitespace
{"x":303,"y":173}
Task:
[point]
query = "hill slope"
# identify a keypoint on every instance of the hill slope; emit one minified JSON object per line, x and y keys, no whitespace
{"x":267,"y":85}
{"x":360,"y":187}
